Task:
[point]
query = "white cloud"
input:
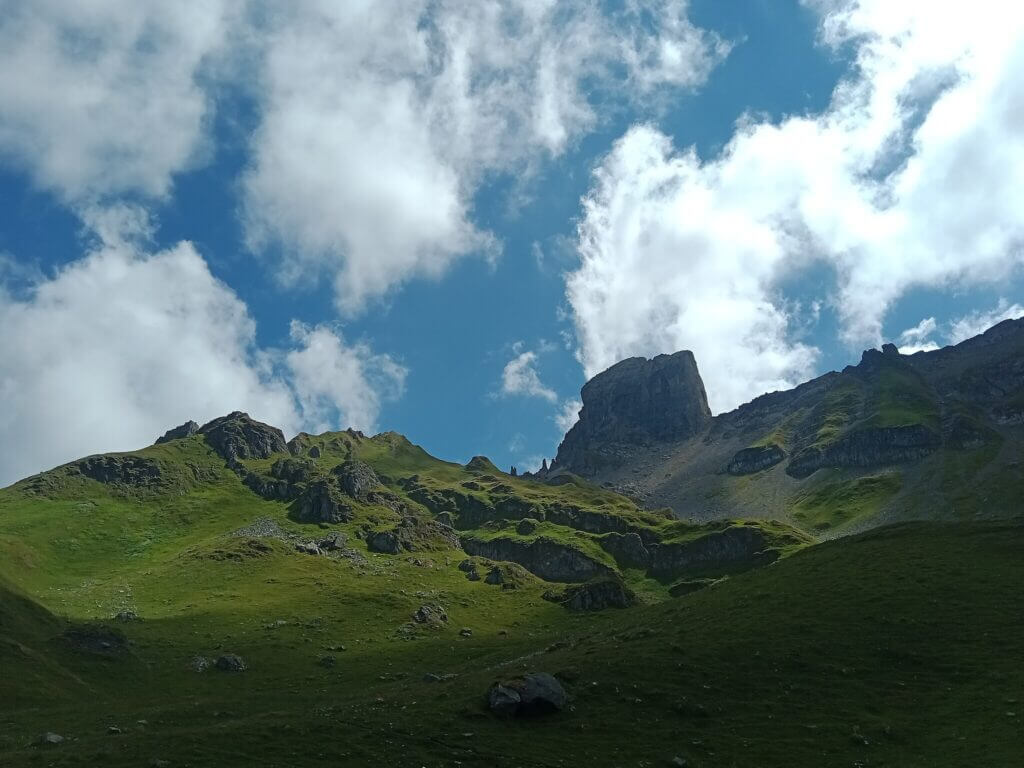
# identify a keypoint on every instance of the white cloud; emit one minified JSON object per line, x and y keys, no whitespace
{"x":921,"y":338}
{"x":122,"y":344}
{"x":338,"y":384}
{"x":668,"y":263}
{"x":918,"y":338}
{"x":980,"y":321}
{"x":568,"y":414}
{"x":104,"y":98}
{"x":520,"y":377}
{"x":379,"y":121}
{"x":913,"y":177}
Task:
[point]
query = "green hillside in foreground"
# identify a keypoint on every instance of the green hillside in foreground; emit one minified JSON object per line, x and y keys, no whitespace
{"x":375,"y":593}
{"x":900,"y":647}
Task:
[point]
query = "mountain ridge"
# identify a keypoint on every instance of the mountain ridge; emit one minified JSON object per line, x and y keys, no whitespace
{"x":890,"y":413}
{"x":224,"y":597}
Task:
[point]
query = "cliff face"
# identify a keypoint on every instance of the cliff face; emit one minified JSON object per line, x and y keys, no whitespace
{"x":944,"y":426}
{"x":634,"y":403}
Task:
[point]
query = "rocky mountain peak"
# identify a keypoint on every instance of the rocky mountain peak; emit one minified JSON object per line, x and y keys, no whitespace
{"x":239,"y":436}
{"x":635,"y":402}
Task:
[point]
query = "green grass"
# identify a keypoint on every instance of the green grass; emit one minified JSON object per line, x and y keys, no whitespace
{"x":898,"y":648}
{"x":898,"y":397}
{"x":833,"y":505}
{"x":839,"y":408}
{"x":908,"y":638}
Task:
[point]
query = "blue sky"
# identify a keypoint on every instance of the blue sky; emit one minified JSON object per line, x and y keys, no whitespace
{"x":440,"y":218}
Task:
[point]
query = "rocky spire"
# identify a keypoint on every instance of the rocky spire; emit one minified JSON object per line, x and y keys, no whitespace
{"x":635,"y":402}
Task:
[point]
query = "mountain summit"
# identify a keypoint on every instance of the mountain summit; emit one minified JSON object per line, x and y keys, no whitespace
{"x":928,"y":435}
{"x":635,"y":402}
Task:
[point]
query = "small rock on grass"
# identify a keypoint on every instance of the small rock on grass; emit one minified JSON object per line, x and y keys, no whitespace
{"x":229,"y":662}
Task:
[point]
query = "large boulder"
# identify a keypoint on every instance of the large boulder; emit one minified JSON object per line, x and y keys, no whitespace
{"x":538,"y":693}
{"x":507,"y":575}
{"x":635,"y":402}
{"x":230,"y":662}
{"x":237,"y":436}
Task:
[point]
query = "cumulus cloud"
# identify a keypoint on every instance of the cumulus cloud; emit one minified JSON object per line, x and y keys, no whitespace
{"x":913,"y":176}
{"x":122,"y":344}
{"x":918,"y":338}
{"x":668,"y":264}
{"x":980,"y":321}
{"x":568,"y":414}
{"x":376,"y":122}
{"x":520,"y":377}
{"x":105,"y":98}
{"x":339,"y":384}
{"x":925,"y":336}
{"x":379,"y":121}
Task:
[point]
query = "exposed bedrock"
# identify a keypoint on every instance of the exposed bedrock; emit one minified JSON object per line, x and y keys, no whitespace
{"x":751,"y":460}
{"x":635,"y":402}
{"x":547,"y":558}
{"x":867,"y":448}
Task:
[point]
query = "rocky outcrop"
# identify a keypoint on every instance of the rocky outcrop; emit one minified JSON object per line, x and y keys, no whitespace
{"x":113,"y":469}
{"x":963,"y":433}
{"x":412,"y":535}
{"x":187,"y":429}
{"x":737,"y":545}
{"x":293,"y":470}
{"x":356,"y":478}
{"x":627,"y":548}
{"x":584,"y":519}
{"x":867,"y":448}
{"x":322,"y":502}
{"x":594,"y":596}
{"x":237,"y":436}
{"x":547,"y":558}
{"x":465,"y":509}
{"x":751,"y":460}
{"x":635,"y":402}
{"x":430,"y":614}
{"x":507,"y":575}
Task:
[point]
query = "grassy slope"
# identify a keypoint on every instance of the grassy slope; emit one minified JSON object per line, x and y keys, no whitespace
{"x":955,"y":483}
{"x":900,"y":648}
